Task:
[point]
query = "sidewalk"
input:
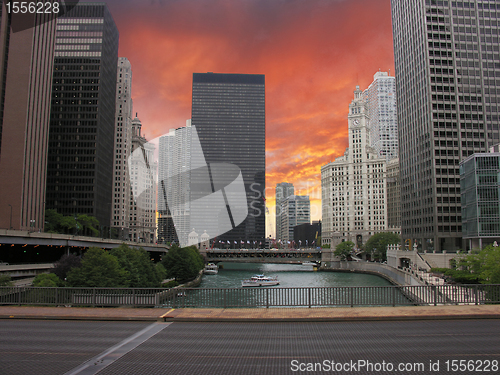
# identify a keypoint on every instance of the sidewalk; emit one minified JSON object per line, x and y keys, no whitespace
{"x":334,"y":314}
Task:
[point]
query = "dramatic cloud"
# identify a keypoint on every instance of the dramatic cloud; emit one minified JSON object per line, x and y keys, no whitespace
{"x":313,"y":54}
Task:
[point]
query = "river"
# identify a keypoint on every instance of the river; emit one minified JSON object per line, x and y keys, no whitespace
{"x":289,"y":275}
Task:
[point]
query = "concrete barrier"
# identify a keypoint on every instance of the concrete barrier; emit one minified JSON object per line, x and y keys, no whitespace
{"x":389,"y":273}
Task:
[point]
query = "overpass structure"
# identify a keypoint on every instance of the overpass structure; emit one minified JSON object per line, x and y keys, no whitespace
{"x":18,"y":237}
{"x":292,"y":256}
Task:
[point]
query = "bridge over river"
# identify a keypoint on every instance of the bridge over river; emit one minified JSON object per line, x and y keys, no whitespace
{"x":291,"y":256}
{"x":33,"y":247}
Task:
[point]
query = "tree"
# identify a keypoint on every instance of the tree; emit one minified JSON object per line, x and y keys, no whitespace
{"x":377,"y":244}
{"x":47,"y":280}
{"x":343,"y":249}
{"x":183,"y":263}
{"x":53,"y":221}
{"x":63,"y":265}
{"x":142,"y":272}
{"x":484,"y":264}
{"x":57,"y":223}
{"x":5,"y":280}
{"x":98,"y":269}
{"x":89,"y":225}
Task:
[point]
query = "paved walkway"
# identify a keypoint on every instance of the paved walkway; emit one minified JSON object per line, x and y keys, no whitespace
{"x":254,"y":315}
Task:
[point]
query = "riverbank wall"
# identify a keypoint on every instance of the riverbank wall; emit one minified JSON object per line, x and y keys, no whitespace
{"x":393,"y":275}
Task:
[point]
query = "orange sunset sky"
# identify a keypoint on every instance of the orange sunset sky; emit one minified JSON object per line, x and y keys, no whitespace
{"x":312,"y":52}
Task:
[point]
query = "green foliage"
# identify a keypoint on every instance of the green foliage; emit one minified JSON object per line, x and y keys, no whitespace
{"x":458,"y":276}
{"x":484,"y":264}
{"x":87,"y":225}
{"x":170,"y":284}
{"x":84,"y":224}
{"x":478,"y":267}
{"x":141,"y":271}
{"x":98,"y":269}
{"x":63,"y":265}
{"x":343,"y":249}
{"x":378,"y":244}
{"x":183,"y":263}
{"x":47,"y":280}
{"x":5,"y":280}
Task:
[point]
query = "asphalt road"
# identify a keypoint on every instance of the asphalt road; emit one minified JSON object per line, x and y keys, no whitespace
{"x":420,"y":347}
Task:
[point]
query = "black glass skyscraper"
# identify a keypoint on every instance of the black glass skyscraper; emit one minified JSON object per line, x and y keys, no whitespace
{"x":81,"y":138}
{"x":228,"y":111}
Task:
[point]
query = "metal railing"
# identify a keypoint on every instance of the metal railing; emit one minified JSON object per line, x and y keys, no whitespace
{"x":254,"y":297}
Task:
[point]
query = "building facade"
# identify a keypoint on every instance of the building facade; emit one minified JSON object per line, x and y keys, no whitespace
{"x":142,"y":167}
{"x":174,"y":181}
{"x":380,"y":99}
{"x":307,"y":235}
{"x":228,"y":111}
{"x":354,"y":186}
{"x":82,"y":117}
{"x":283,"y":191}
{"x":26,"y":63}
{"x":447,"y":67}
{"x":296,"y":210}
{"x":480,"y":199}
{"x":393,"y":196}
{"x":120,"y":220}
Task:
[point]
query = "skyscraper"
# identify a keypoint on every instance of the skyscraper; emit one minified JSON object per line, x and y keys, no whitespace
{"x":82,"y":119}
{"x":228,"y":111}
{"x":142,"y":169}
{"x":380,"y":99}
{"x":283,"y":191}
{"x":123,"y":146}
{"x":296,"y":210}
{"x":447,"y":72}
{"x":174,"y":162}
{"x":354,"y":186}
{"x":26,"y":60}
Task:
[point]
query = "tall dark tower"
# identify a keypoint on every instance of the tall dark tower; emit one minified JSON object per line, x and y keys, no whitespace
{"x":229,"y":114}
{"x":82,"y":118}
{"x":447,"y":73}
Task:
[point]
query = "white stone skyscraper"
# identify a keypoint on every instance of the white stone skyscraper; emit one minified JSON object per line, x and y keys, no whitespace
{"x":448,"y":77}
{"x":142,"y":165}
{"x":353,"y":187}
{"x":380,"y":99}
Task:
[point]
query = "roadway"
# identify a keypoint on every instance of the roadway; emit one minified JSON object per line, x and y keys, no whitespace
{"x":111,"y":347}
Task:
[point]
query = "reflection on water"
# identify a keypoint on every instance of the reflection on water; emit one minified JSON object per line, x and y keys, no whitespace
{"x":290,"y":275}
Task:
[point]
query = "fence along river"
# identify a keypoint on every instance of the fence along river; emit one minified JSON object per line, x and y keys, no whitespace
{"x":299,"y":287}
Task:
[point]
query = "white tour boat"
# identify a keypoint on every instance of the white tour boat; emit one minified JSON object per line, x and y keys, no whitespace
{"x":211,"y":269}
{"x":260,"y":280}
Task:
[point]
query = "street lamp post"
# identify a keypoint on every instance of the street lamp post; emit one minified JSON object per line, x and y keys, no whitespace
{"x":10,"y":225}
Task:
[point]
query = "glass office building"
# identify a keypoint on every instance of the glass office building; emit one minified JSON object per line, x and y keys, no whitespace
{"x":228,"y":111}
{"x":82,"y":118}
{"x":448,"y":93}
{"x":480,"y":187}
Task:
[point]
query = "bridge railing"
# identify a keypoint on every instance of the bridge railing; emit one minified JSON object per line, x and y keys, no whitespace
{"x":254,"y":297}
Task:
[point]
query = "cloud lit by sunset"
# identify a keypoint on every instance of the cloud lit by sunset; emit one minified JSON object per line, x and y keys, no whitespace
{"x":313,"y":53}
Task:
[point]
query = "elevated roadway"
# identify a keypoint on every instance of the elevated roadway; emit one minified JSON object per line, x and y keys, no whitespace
{"x":26,"y":238}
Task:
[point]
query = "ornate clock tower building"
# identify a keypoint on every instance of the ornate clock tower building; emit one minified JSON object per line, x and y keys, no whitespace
{"x":354,"y":185}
